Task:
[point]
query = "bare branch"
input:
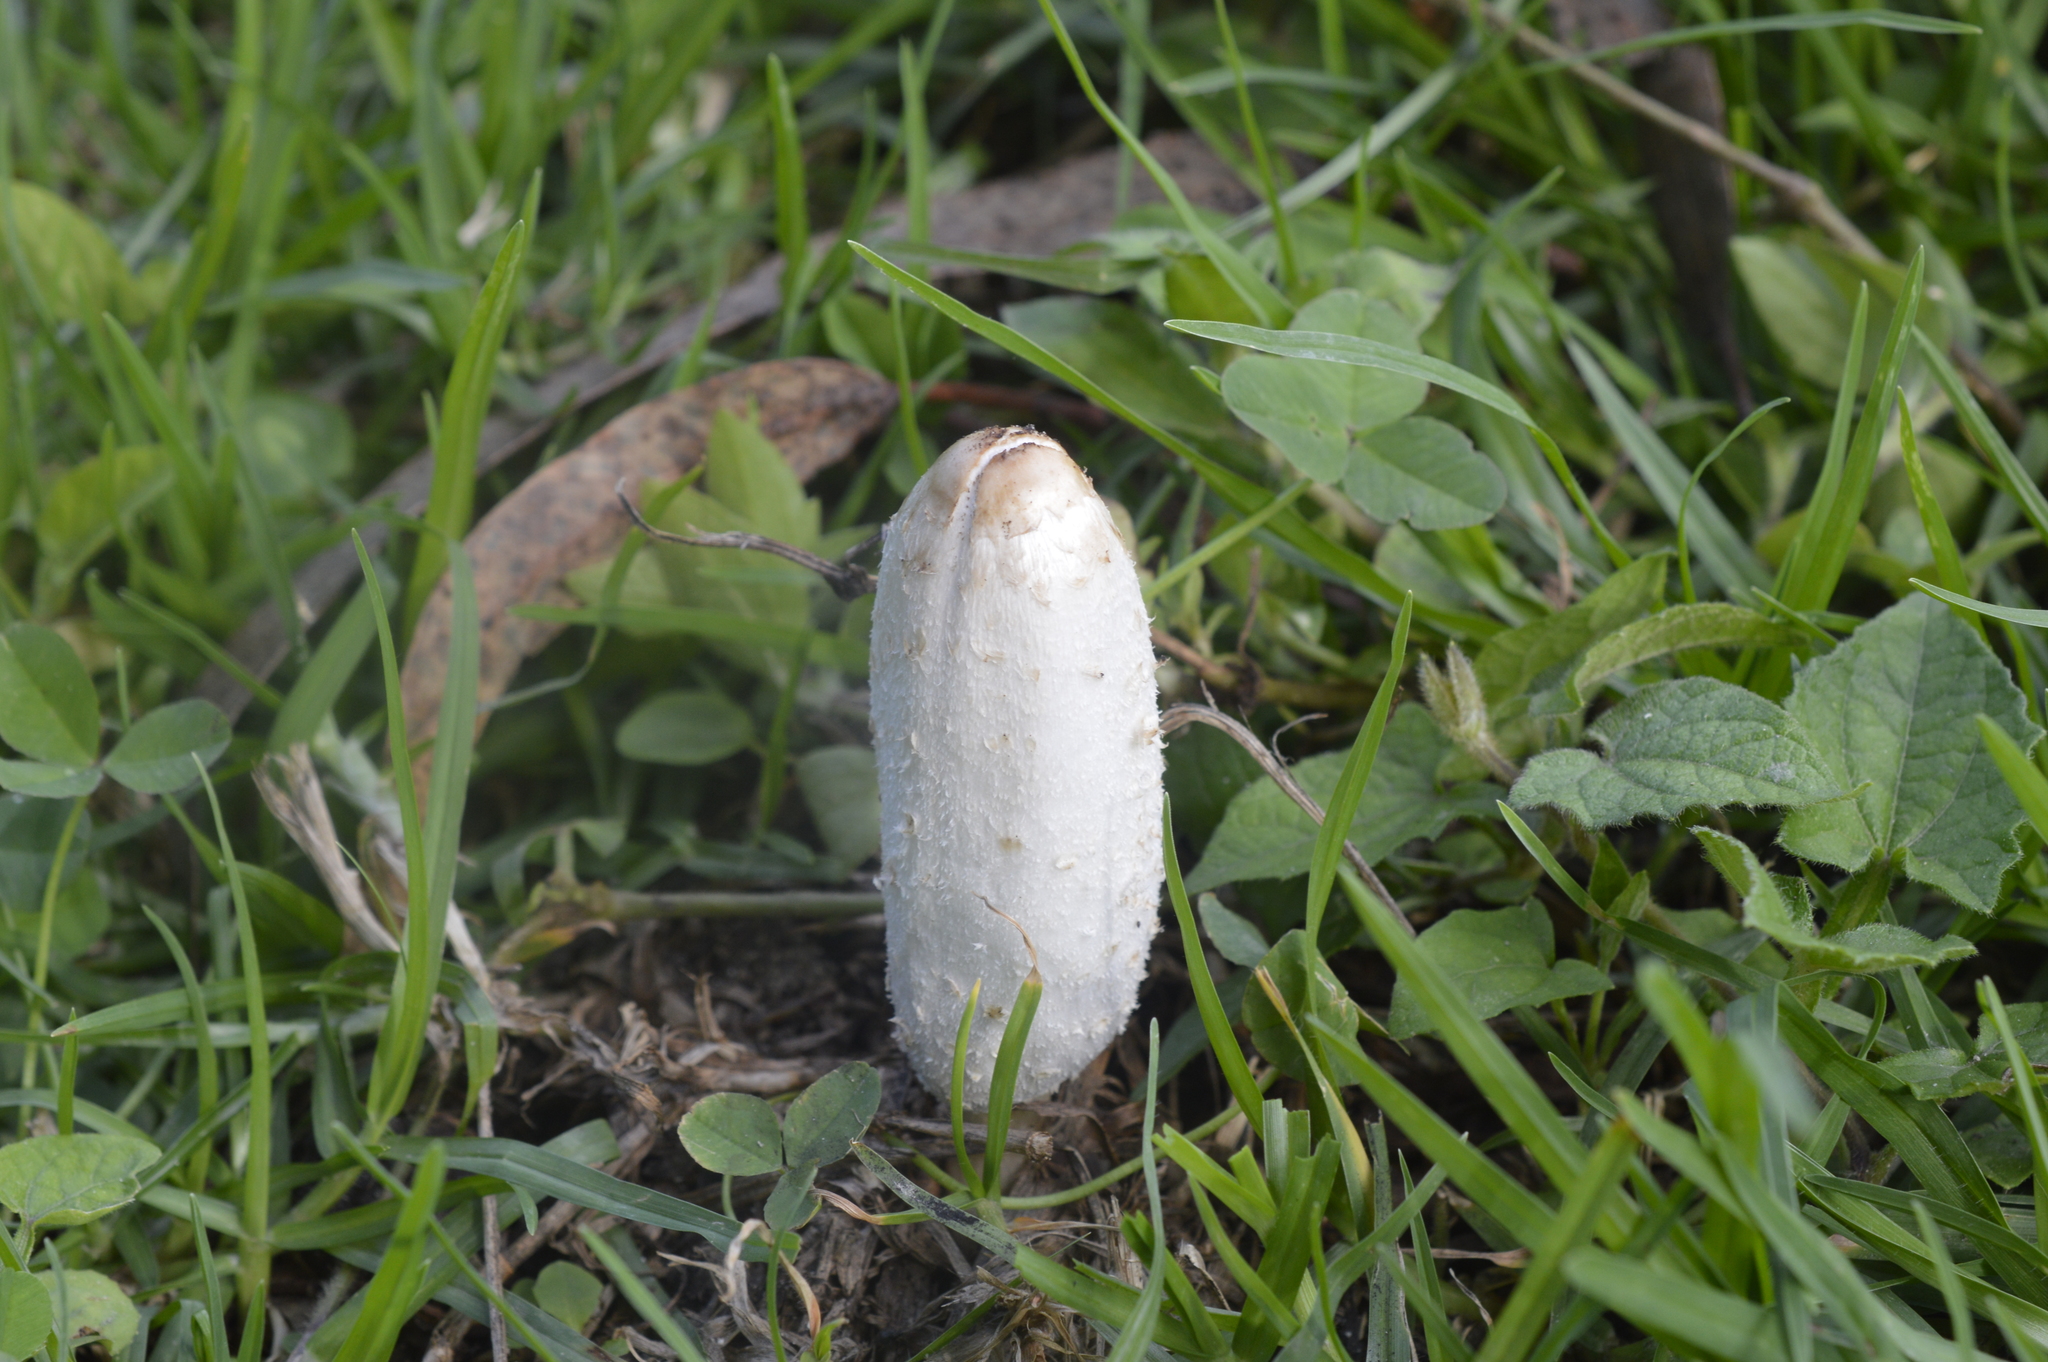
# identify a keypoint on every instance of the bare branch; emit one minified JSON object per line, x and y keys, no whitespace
{"x":1180,"y":716}
{"x":849,"y":581}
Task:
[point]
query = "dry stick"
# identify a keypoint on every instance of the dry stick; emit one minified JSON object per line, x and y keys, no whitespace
{"x":1180,"y":716}
{"x":848,"y":580}
{"x":494,"y":1242}
{"x":563,"y":908}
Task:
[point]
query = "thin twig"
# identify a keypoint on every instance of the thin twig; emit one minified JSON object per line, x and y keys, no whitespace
{"x":561,"y":911}
{"x":494,"y":1234}
{"x":1180,"y":716}
{"x":849,"y":581}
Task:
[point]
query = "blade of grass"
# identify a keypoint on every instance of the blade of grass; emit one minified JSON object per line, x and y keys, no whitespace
{"x":255,"y":1274}
{"x":1237,"y":1075}
{"x":1528,"y":1309}
{"x":792,"y":215}
{"x":2027,"y":1088}
{"x":464,"y":404}
{"x":1002,"y":1087}
{"x":1692,"y":485}
{"x":640,"y":1298}
{"x":1329,"y":847}
{"x":1261,"y":298}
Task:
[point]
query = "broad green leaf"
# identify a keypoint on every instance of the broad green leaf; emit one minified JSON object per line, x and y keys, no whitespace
{"x":1425,"y":472}
{"x":76,"y":268}
{"x":48,"y":710}
{"x":1235,"y":939}
{"x":861,"y":331}
{"x":1264,"y":835}
{"x":1127,"y":352}
{"x":1498,"y":960}
{"x":1309,"y":989}
{"x":1314,"y":410}
{"x":2002,"y":1151}
{"x":1778,"y":907}
{"x":43,"y":781}
{"x":685,"y":728}
{"x":746,"y":473}
{"x":1892,"y":713}
{"x":840,"y":789}
{"x":97,"y":1310}
{"x":568,"y":1292}
{"x":734,"y":1133}
{"x":299,"y":444}
{"x":155,"y":755}
{"x":747,"y":486}
{"x":1938,"y":1073}
{"x":1543,"y":653}
{"x":70,"y":1179}
{"x":1804,"y":290}
{"x":81,"y":508}
{"x":1715,"y":624}
{"x":26,"y":1315}
{"x":1674,"y":745}
{"x":825,"y":1119}
{"x":1942,"y":1072}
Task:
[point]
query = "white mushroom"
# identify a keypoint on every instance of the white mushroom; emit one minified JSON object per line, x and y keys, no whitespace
{"x":1017,"y":740}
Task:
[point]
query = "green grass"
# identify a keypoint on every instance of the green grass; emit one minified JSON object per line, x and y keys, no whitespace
{"x":1708,"y":1004}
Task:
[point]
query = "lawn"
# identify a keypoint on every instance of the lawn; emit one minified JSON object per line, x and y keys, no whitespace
{"x":1531,"y":847}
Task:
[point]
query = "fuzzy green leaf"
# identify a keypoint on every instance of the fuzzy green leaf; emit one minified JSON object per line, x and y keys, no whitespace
{"x":70,"y":1179}
{"x":735,"y":1133}
{"x":1265,"y":836}
{"x":1712,"y":625}
{"x":26,"y":1315}
{"x":97,"y":1310}
{"x":1675,"y":745}
{"x":1892,"y":713}
{"x":1498,"y":960}
{"x":1778,"y":907}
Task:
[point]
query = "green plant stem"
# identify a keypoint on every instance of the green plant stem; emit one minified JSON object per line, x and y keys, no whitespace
{"x":52,"y":884}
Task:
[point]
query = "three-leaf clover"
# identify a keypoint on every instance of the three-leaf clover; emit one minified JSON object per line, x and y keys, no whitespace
{"x":49,"y":714}
{"x":1350,"y":425}
{"x":739,"y":1135}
